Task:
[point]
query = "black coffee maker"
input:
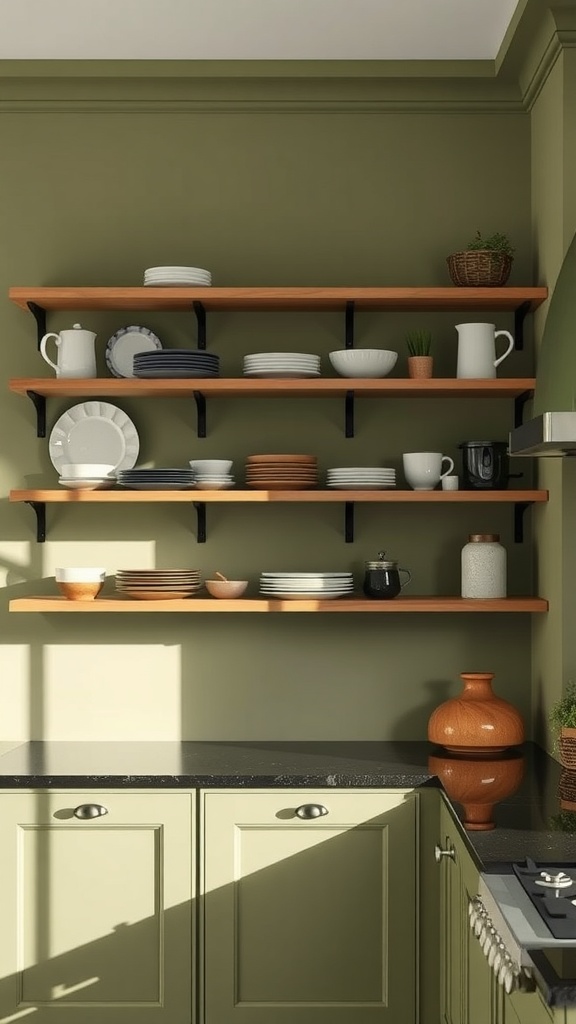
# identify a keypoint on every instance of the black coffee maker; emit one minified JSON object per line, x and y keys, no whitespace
{"x":485,"y":465}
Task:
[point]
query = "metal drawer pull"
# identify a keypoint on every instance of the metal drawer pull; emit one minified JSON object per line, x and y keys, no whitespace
{"x":308,"y":811}
{"x":439,"y":853}
{"x":86,"y":811}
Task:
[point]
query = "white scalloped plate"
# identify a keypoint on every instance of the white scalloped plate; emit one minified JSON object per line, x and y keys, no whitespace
{"x":94,"y":432}
{"x":125,"y":344}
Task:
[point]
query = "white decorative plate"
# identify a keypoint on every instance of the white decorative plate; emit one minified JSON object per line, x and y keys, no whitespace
{"x":125,"y":344}
{"x":94,"y":432}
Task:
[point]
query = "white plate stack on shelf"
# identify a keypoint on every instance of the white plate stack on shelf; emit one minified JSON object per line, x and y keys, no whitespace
{"x":158,"y":584}
{"x":212,"y":474}
{"x":184,"y":277}
{"x":361,"y":478}
{"x":281,"y":364}
{"x":87,"y":476}
{"x":156,"y":479}
{"x":298,"y":586}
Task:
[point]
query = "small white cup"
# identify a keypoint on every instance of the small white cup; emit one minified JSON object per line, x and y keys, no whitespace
{"x":450,"y":483}
{"x":423,"y":470}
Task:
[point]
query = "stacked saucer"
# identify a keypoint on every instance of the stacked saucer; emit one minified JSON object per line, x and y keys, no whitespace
{"x":282,"y":472}
{"x":176,"y":362}
{"x":281,"y":364}
{"x":158,"y":584}
{"x":156,"y":479}
{"x":363,"y":478}
{"x":162,"y":277}
{"x":292,"y":586}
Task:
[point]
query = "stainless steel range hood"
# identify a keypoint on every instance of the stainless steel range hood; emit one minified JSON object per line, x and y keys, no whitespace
{"x":552,"y":433}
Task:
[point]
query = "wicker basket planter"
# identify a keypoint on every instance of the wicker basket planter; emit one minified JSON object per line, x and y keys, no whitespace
{"x":568,"y":748}
{"x":479,"y":268}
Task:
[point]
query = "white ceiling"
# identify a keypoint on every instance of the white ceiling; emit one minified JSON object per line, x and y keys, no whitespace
{"x":253,"y":29}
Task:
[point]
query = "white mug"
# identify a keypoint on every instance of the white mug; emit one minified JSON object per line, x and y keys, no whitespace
{"x":477,"y":350}
{"x":423,"y":470}
{"x":450,"y":483}
{"x":75,"y":352}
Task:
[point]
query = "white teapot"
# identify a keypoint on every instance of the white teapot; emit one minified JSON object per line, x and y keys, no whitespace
{"x":76,"y":355}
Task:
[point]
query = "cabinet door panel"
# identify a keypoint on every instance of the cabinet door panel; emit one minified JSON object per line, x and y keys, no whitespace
{"x":309,"y":920}
{"x":97,"y":926}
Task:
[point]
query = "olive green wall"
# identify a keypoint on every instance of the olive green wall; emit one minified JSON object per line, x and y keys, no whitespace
{"x":367,"y":188}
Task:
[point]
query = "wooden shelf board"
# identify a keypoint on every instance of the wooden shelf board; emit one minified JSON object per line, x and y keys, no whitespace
{"x":352,"y":605}
{"x":258,"y":496}
{"x":296,"y":299}
{"x":327,"y":387}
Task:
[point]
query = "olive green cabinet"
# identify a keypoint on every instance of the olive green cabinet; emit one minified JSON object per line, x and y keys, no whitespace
{"x":529,"y":1008}
{"x":308,"y":907}
{"x":96,"y":891}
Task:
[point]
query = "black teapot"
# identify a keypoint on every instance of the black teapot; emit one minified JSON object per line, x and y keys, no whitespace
{"x":382,"y":579}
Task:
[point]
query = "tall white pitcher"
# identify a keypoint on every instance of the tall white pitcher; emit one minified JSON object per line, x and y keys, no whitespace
{"x":477,"y":350}
{"x":75,"y":352}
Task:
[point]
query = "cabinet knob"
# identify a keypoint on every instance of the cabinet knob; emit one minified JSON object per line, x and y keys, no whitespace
{"x":86,"y":811}
{"x":308,"y":811}
{"x":439,"y":853}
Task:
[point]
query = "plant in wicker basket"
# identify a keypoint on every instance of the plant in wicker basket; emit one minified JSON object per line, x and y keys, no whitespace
{"x":485,"y":263}
{"x":563,"y":717}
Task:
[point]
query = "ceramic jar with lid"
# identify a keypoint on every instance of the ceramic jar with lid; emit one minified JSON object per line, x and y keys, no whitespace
{"x":483,"y":566}
{"x":382,"y":578}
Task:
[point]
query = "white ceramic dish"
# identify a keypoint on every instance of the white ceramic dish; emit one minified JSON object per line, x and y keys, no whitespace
{"x":211,"y":465}
{"x":85,"y":484}
{"x":94,"y":432}
{"x":313,"y":595}
{"x":93,"y":470}
{"x":363,"y":362}
{"x":80,"y":575}
{"x":201,"y":485}
{"x":283,"y":374}
{"x":125,"y":344}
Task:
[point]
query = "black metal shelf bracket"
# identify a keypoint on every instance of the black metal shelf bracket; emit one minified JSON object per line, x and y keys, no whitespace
{"x":200,"y":400}
{"x":349,"y":522}
{"x":519,"y":403}
{"x":349,"y":414}
{"x":349,"y":325}
{"x":40,"y":510}
{"x":39,"y":314}
{"x":201,"y":322}
{"x":200,"y":507}
{"x":519,"y":513}
{"x":520,"y":315}
{"x":39,"y":402}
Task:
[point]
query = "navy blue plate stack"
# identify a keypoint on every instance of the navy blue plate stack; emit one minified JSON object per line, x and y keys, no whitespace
{"x":168,"y":363}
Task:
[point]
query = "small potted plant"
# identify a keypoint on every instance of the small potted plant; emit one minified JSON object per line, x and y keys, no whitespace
{"x":420,"y":361}
{"x":485,"y":263}
{"x":563,"y":717}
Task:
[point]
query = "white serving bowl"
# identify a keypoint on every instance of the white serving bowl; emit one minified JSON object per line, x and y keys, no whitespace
{"x":211,"y":467}
{"x":80,"y":575}
{"x":91,"y":470}
{"x":85,"y":484}
{"x":363,"y":362}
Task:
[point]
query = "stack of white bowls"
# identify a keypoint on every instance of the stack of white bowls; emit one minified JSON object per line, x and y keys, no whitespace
{"x":293,"y":586}
{"x":87,"y":476}
{"x":212,"y":474}
{"x":364,"y":478}
{"x":162,"y":277}
{"x":281,"y":364}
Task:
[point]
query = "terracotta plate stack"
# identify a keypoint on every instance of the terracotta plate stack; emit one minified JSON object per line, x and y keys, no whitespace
{"x":158,"y":584}
{"x":282,"y":472}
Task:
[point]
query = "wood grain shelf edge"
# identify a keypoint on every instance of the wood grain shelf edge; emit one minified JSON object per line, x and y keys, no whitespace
{"x":259,"y":605}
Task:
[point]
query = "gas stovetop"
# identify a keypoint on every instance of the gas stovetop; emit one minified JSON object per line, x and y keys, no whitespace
{"x":552,"y":890}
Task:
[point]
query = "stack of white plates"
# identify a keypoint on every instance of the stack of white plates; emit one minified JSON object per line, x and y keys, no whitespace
{"x":156,"y":479}
{"x":281,"y":364}
{"x":158,"y":584}
{"x":364,"y":478}
{"x":161,"y":277}
{"x":298,"y":585}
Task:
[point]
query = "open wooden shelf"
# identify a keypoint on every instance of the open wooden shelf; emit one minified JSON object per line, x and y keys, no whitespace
{"x":280,"y":299}
{"x":232,"y":496}
{"x":350,"y":605}
{"x":230,"y":387}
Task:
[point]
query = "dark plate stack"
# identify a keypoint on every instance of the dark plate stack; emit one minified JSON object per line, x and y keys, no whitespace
{"x":156,"y":479}
{"x":168,"y":363}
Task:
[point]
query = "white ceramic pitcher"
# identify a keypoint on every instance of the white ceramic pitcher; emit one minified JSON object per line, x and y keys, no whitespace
{"x":477,"y":350}
{"x":75,"y":356}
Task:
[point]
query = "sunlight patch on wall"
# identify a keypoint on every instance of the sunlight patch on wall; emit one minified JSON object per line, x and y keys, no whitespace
{"x":110,"y":554}
{"x":15,"y":692}
{"x":14,"y":562}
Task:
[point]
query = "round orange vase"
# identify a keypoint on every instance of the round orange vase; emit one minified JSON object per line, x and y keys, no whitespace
{"x":476,"y":722}
{"x":478,"y":785}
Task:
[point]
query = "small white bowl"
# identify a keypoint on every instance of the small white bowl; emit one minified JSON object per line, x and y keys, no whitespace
{"x":213,"y":485}
{"x":226,"y":588}
{"x":81,"y":575}
{"x":85,"y":484}
{"x":363,"y":362}
{"x":91,"y":470}
{"x":212,"y":467}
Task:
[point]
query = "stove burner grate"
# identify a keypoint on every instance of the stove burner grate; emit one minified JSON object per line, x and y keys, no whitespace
{"x":552,"y":890}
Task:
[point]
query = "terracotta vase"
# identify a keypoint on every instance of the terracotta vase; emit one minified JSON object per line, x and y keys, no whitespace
{"x":420,"y":366}
{"x":478,"y":784}
{"x":476,"y":722}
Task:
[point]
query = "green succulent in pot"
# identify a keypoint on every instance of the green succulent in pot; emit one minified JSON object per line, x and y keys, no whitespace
{"x":420,"y":362}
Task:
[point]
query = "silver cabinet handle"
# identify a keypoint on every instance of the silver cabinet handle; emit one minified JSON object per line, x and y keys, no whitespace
{"x":86,"y":811}
{"x":439,"y":853}
{"x":308,"y":811}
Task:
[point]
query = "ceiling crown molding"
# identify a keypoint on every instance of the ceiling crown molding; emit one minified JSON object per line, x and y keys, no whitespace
{"x":541,"y":32}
